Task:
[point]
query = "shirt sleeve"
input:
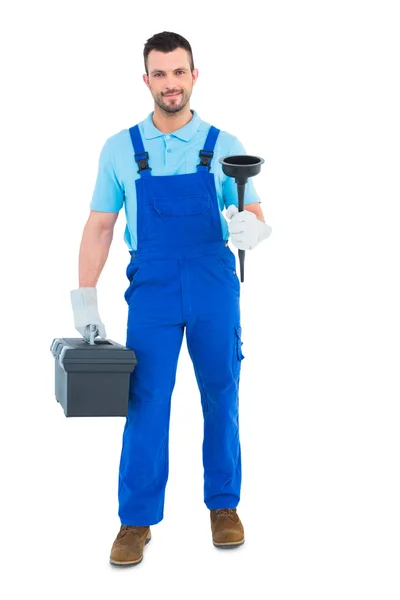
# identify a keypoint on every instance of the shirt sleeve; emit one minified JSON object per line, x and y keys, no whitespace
{"x":229,"y":186}
{"x":108,"y":194}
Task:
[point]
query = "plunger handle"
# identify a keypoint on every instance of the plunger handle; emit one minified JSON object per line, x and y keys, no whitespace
{"x":241,"y":188}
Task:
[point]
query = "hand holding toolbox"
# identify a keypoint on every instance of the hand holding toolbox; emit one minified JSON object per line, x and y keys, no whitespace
{"x":86,"y":313}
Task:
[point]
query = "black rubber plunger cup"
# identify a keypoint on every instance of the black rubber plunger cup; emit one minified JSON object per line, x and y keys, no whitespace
{"x":241,"y":167}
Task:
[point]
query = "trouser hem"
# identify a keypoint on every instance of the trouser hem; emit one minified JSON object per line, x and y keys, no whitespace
{"x":140,"y":521}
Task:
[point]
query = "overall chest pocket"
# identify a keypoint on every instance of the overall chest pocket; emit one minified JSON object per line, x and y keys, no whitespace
{"x":182,"y":206}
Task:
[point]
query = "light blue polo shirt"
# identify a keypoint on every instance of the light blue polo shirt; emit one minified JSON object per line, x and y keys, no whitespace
{"x":174,"y":153}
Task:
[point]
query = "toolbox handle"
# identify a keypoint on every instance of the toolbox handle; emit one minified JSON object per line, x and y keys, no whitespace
{"x":92,"y":335}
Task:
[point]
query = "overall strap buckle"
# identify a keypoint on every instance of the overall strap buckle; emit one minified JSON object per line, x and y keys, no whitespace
{"x":142,"y":159}
{"x":205,"y":158}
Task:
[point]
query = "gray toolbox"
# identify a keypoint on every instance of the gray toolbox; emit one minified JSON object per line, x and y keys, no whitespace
{"x":92,"y":379}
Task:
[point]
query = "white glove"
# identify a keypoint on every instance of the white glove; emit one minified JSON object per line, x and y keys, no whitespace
{"x":246,"y":230}
{"x":84,"y":306}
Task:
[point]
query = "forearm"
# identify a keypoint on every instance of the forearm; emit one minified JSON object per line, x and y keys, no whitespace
{"x":93,"y":253}
{"x":255,"y":208}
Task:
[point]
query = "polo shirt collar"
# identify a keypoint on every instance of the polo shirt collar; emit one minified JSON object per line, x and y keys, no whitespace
{"x":185,"y":133}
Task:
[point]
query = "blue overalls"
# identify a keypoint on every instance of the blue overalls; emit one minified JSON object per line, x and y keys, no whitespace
{"x":182,"y":275}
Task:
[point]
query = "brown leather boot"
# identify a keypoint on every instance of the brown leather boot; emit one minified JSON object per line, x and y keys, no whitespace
{"x":128,"y":546}
{"x":227,"y":529}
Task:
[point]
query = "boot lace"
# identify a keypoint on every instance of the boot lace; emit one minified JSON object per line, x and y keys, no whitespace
{"x":226,"y":512}
{"x":127,"y":528}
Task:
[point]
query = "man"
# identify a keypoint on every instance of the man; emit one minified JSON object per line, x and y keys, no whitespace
{"x":182,"y":276}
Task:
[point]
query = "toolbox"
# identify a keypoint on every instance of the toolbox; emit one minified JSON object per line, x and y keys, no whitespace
{"x":92,"y":379}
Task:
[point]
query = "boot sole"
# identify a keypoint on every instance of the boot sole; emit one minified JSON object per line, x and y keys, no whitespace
{"x":229,"y":545}
{"x":129,"y":563}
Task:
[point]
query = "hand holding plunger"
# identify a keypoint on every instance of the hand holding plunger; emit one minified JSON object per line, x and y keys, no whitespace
{"x":241,"y":167}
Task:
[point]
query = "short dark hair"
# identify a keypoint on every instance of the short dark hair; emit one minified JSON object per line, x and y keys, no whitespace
{"x":167,"y":42}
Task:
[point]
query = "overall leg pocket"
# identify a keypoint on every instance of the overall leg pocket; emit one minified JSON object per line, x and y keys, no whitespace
{"x":237,"y":356}
{"x":239,"y":343}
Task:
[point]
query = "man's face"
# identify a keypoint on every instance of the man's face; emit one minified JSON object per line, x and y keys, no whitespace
{"x":170,"y":79}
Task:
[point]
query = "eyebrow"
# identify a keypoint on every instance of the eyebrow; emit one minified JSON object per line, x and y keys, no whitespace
{"x":161,"y":71}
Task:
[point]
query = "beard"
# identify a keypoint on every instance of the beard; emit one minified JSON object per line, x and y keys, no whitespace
{"x":173,"y":105}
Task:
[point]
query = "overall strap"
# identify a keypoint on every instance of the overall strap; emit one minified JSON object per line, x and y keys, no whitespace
{"x":141,"y":157}
{"x":208,"y":151}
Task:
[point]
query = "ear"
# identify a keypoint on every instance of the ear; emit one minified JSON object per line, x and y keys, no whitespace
{"x":146,"y":80}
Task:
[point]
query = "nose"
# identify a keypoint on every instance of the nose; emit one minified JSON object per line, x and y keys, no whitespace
{"x":171,"y":84}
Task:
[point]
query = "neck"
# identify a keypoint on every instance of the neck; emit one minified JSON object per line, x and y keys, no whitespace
{"x":170,"y":122}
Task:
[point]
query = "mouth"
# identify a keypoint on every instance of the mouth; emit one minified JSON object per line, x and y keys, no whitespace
{"x":172,"y":95}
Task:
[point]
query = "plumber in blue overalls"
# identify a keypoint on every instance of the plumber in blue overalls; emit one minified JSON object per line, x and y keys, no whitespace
{"x":182,"y":277}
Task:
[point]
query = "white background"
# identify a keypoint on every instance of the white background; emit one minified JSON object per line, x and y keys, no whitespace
{"x":313,"y":88}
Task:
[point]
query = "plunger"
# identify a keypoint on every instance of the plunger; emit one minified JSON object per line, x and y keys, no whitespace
{"x":241,"y":167}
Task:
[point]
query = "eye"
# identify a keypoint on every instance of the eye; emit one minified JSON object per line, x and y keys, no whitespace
{"x":160,"y":74}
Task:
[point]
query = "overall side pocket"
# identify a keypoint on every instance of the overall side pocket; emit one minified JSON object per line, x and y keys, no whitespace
{"x":133,"y":272}
{"x":228,"y":264}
